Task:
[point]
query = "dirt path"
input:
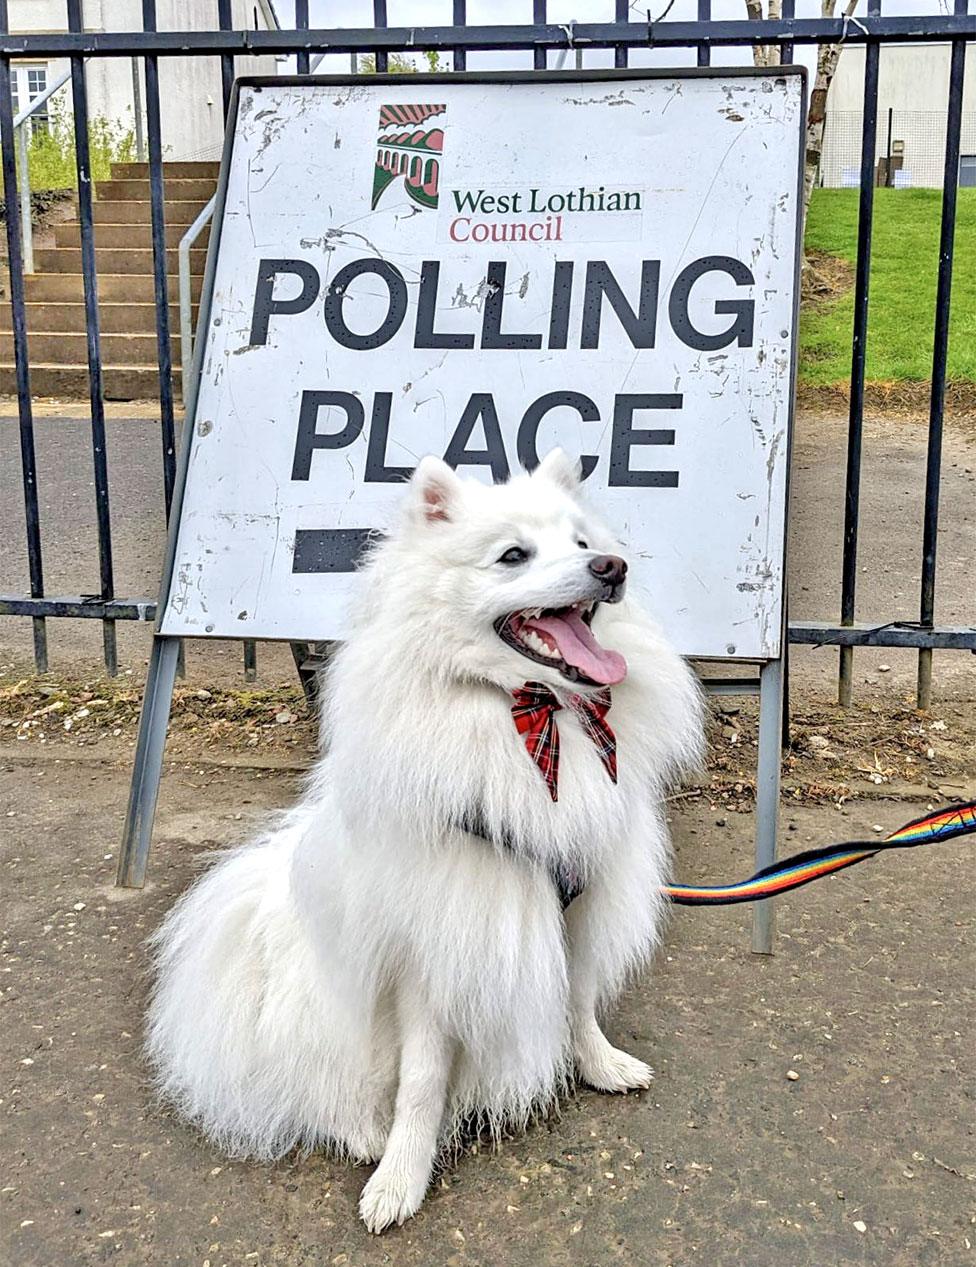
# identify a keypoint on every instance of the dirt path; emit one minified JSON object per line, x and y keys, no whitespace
{"x":867,"y":1157}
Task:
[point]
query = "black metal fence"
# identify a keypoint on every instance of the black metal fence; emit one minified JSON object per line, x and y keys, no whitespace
{"x":632,"y":29}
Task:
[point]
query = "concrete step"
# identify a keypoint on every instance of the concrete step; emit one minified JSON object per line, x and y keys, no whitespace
{"x":114,"y":318}
{"x":126,"y":190}
{"x":114,"y":287}
{"x":70,"y":382}
{"x":126,"y":235}
{"x":72,"y":349}
{"x":129,"y":260}
{"x":185,"y":169}
{"x":122,"y":211}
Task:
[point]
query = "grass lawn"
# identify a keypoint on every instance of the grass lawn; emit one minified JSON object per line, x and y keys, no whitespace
{"x":901,"y":312}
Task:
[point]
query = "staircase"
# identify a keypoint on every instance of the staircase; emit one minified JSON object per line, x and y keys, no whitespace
{"x":55,"y":293}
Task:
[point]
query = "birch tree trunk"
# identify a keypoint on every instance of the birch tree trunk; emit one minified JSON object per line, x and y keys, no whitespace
{"x":827,"y":57}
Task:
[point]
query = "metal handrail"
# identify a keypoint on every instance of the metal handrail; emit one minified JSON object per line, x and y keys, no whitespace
{"x":26,"y":227}
{"x":186,"y":302}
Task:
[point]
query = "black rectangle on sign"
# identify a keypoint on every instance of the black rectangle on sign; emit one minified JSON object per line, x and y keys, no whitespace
{"x":330,"y":549}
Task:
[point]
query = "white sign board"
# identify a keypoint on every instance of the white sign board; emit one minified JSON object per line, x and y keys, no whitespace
{"x":482,"y":269}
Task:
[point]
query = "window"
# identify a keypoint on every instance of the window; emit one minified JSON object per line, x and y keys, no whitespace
{"x":27,"y":83}
{"x":967,"y":171}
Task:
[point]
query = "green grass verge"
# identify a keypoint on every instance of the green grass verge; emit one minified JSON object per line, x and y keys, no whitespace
{"x":901,"y":313}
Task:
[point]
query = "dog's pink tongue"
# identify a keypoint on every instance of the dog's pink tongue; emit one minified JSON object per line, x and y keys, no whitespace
{"x":578,"y":647}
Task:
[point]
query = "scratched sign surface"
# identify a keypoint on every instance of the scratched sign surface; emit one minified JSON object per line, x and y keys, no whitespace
{"x":482,"y":270}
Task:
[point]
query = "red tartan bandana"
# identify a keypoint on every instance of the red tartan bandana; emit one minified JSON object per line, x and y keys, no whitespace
{"x":534,"y":712}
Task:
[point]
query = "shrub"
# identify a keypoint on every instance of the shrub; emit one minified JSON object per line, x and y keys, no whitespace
{"x":51,"y":155}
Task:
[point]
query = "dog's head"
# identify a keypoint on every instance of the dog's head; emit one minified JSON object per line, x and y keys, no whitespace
{"x":503,"y":582}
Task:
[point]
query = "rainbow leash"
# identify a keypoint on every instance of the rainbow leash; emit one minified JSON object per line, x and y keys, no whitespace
{"x":803,"y":868}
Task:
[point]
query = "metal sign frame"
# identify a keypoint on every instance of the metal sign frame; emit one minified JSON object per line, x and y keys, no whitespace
{"x":165,"y":653}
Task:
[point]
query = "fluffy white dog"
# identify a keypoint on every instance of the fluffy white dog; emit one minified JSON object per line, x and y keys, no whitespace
{"x":427,"y":940}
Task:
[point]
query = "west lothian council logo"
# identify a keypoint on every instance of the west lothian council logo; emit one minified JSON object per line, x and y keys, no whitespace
{"x":406,"y":146}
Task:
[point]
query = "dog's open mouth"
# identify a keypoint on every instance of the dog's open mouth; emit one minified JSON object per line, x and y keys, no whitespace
{"x":561,"y":638}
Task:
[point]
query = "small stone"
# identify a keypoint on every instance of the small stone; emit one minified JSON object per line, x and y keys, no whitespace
{"x":937,"y":725}
{"x":884,"y":668}
{"x":720,"y":822}
{"x":930,"y":753}
{"x":860,"y":1225}
{"x":78,"y":906}
{"x":877,"y":827}
{"x":818,"y":742}
{"x":792,"y":1075}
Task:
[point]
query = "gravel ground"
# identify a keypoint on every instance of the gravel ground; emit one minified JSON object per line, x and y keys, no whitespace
{"x":867,"y":1156}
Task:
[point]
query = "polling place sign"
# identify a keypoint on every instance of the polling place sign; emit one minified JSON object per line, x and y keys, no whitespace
{"x":482,"y":267}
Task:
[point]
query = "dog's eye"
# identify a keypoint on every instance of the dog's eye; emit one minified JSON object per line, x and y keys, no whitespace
{"x":514,"y":554}
{"x":583,"y":545}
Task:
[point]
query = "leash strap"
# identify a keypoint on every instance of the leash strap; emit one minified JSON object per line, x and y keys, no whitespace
{"x":803,"y":868}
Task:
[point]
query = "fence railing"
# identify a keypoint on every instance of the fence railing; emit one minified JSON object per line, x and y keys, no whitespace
{"x":630,"y":31}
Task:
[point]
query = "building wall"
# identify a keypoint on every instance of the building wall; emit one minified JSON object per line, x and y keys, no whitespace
{"x":913,"y":84}
{"x":189,"y":87}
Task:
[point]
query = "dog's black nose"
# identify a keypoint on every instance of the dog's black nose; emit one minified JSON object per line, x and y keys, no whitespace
{"x":609,"y":568}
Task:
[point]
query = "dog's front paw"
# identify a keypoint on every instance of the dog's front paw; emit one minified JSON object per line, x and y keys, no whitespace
{"x":390,"y":1196}
{"x":610,"y":1069}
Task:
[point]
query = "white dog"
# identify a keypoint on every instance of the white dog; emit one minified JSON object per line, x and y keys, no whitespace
{"x":426,"y":941}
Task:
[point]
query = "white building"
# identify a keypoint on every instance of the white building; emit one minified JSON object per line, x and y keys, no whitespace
{"x":189,"y":87}
{"x":913,"y":92}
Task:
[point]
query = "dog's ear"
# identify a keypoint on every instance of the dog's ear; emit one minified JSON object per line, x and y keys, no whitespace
{"x":436,"y":491}
{"x":561,"y":469}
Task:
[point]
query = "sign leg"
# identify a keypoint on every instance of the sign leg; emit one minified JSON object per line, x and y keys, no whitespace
{"x":767,"y":793}
{"x":148,"y":764}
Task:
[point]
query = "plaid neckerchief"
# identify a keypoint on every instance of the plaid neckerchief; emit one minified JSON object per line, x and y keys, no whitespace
{"x":534,"y":712}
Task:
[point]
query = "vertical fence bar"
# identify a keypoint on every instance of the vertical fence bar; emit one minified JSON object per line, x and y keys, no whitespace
{"x":539,"y":19}
{"x":621,"y":13}
{"x":704,"y":57}
{"x":79,"y":100}
{"x":786,"y":48}
{"x":164,"y":347}
{"x":379,"y":20}
{"x":858,"y":355}
{"x":28,"y":462}
{"x":460,"y":18}
{"x":157,"y":211}
{"x":225,"y":20}
{"x":301,"y":24}
{"x":940,"y":351}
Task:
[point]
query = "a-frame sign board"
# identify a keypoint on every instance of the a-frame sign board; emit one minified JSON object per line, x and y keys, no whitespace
{"x":481,"y":267}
